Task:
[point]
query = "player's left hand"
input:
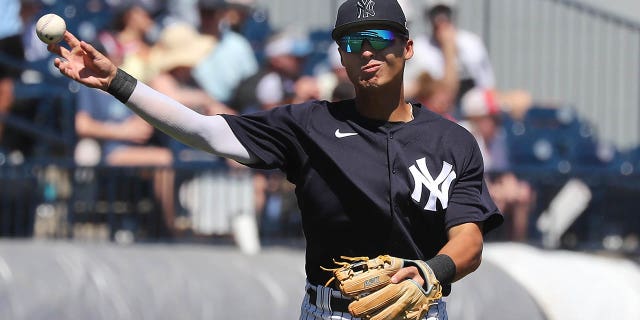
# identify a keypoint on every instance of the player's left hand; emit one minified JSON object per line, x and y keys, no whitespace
{"x":408,"y":273}
{"x":83,"y":63}
{"x":377,"y":297}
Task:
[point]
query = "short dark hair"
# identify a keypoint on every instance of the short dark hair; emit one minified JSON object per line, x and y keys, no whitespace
{"x":439,"y":10}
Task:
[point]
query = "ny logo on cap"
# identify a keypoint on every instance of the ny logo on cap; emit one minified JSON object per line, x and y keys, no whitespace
{"x":365,"y":9}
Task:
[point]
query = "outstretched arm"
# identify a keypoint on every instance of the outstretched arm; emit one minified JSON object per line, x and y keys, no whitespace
{"x":86,"y":65}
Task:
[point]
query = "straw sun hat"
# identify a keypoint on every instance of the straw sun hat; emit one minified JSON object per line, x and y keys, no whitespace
{"x":179,"y":45}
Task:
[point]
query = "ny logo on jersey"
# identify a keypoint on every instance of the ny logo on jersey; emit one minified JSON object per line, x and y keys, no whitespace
{"x":365,"y":9}
{"x":438,"y":188}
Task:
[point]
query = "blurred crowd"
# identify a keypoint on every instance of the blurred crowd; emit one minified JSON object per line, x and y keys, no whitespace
{"x":223,"y":56}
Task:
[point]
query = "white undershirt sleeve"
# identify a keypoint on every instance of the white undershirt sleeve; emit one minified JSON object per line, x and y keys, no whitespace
{"x":208,"y":133}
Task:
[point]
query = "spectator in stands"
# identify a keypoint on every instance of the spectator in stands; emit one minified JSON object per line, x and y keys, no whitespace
{"x":280,"y":216}
{"x":473,"y":64}
{"x":16,"y":50}
{"x":185,"y":11}
{"x":11,"y":47}
{"x":133,"y":32}
{"x":439,"y":95}
{"x":343,"y":91}
{"x":515,"y":102}
{"x":279,"y":82}
{"x":30,"y":11}
{"x":514,"y":197}
{"x":6,"y":98}
{"x":304,"y":89}
{"x":10,"y":22}
{"x":179,"y":49}
{"x":126,"y":139}
{"x":238,"y":12}
{"x":275,"y":83}
{"x":334,"y":84}
{"x":17,"y":196}
{"x":231,"y":61}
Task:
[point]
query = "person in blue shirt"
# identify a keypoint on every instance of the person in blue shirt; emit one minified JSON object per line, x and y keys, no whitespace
{"x":230,"y":61}
{"x":126,"y":140}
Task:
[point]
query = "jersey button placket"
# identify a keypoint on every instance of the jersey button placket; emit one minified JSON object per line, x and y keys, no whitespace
{"x":394,"y":170}
{"x":391,"y":154}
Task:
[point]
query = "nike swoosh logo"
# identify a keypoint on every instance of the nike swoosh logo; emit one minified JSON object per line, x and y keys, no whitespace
{"x":344,"y":134}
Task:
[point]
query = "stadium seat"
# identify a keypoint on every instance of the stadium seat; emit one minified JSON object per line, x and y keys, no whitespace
{"x":257,"y":30}
{"x":531,"y":145}
{"x":321,"y":40}
{"x":558,"y":138}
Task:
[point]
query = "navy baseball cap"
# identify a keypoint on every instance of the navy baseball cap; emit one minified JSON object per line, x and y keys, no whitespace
{"x":353,"y":13}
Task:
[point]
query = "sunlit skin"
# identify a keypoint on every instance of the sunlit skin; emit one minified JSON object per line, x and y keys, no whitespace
{"x":377,"y":77}
{"x":83,"y":63}
{"x":372,"y":68}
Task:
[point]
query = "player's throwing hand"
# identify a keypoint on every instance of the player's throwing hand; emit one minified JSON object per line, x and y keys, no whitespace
{"x":83,"y":63}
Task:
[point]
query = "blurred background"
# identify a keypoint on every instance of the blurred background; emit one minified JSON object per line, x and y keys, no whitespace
{"x":103,"y":217}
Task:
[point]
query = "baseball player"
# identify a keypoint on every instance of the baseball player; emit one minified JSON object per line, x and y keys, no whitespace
{"x":374,"y":175}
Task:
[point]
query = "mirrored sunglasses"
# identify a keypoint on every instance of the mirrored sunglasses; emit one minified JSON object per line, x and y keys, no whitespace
{"x":378,"y":39}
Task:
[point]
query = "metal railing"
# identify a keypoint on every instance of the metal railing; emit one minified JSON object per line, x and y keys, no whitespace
{"x":118,"y":204}
{"x":63,"y":200}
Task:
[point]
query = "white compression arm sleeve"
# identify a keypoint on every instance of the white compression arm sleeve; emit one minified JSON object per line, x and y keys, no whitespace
{"x":208,"y":133}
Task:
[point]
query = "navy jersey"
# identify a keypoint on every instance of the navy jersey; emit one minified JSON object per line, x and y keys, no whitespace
{"x":368,"y":187}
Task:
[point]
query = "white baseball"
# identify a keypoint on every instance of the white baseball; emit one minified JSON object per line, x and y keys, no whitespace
{"x":50,"y":28}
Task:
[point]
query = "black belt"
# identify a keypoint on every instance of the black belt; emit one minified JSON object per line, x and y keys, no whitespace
{"x":337,"y":304}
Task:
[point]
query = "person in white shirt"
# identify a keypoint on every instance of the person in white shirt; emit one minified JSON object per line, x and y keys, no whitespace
{"x":482,"y":112}
{"x":472,"y":60}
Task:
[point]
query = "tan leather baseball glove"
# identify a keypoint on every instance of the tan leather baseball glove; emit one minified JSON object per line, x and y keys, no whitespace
{"x":368,"y":282}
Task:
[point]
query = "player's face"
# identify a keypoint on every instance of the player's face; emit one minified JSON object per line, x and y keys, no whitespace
{"x":374,"y":57}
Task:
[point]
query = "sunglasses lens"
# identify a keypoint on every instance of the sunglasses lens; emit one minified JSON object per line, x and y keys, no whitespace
{"x":379,"y":44}
{"x":350,"y":45}
{"x":378,"y":39}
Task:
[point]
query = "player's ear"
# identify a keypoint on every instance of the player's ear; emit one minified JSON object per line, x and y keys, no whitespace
{"x":408,"y":49}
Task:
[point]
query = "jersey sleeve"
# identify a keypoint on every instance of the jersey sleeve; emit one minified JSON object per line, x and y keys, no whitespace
{"x":271,"y":137}
{"x":470,"y":200}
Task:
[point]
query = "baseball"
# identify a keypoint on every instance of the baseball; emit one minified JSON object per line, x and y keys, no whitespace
{"x":50,"y":28}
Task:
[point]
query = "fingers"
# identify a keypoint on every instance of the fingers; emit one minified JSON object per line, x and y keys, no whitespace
{"x":90,"y":50}
{"x":60,"y":64}
{"x":55,"y":49}
{"x":401,"y":275}
{"x":73,"y":42}
{"x":59,"y":50}
{"x":71,"y":39}
{"x":407,"y":273}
